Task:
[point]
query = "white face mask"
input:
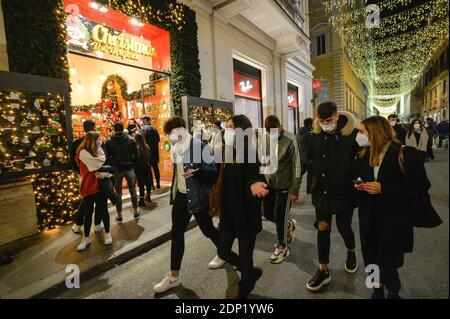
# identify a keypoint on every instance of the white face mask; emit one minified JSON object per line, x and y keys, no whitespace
{"x":174,"y":136}
{"x":329,"y":127}
{"x":393,"y":123}
{"x":229,"y":136}
{"x":362,"y":140}
{"x":417,"y":127}
{"x":426,"y":125}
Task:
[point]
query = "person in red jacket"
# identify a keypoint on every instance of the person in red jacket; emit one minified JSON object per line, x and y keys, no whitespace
{"x":90,"y":158}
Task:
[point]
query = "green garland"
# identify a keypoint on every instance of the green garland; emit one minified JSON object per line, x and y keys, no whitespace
{"x":36,"y":44}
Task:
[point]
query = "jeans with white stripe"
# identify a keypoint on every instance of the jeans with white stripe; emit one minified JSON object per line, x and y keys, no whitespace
{"x":276,"y":209}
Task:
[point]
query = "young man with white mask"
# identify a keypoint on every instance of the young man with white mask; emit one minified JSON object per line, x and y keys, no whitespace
{"x":284,"y":185}
{"x":193,"y":176}
{"x":333,"y":151}
{"x":400,"y":132}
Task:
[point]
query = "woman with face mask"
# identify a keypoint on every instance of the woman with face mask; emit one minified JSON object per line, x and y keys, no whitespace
{"x":241,"y":190}
{"x":90,"y":158}
{"x":417,"y":137}
{"x":385,"y":194}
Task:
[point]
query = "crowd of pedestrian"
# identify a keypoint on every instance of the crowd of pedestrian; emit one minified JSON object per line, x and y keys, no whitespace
{"x":375,"y":166}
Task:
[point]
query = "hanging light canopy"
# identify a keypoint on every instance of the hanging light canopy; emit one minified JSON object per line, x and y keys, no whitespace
{"x":389,"y":56}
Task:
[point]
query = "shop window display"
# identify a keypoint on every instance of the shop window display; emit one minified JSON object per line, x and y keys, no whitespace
{"x":33,"y":135}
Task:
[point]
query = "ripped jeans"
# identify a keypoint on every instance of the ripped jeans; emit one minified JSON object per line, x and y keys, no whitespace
{"x":323,"y":225}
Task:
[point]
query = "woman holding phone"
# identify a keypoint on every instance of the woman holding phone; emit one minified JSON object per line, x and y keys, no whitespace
{"x":385,"y":217}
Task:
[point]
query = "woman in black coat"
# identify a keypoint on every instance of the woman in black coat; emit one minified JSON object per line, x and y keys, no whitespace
{"x":242,"y":187}
{"x":385,"y":218}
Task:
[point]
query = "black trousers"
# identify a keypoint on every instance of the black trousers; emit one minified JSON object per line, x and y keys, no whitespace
{"x":100,"y":200}
{"x":243,"y":261}
{"x":276,"y":209}
{"x":430,"y":154}
{"x":180,"y":220}
{"x":344,"y":226}
{"x":79,"y":215}
{"x":307,"y":169}
{"x":144,"y":179}
{"x":155,"y":167}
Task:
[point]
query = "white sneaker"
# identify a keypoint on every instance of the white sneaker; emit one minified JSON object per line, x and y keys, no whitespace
{"x":216,"y":263}
{"x":76,"y":229}
{"x":167,"y":283}
{"x":85,"y":242}
{"x":108,"y":239}
{"x":99,"y":228}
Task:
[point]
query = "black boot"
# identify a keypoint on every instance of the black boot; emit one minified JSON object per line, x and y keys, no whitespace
{"x":246,"y":288}
{"x":5,"y":260}
{"x":378,"y":293}
{"x":141,"y":202}
{"x":148,"y":198}
{"x":393,"y":295}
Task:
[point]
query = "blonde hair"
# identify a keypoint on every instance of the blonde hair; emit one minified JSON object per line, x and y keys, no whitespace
{"x":89,"y":143}
{"x":381,"y":134}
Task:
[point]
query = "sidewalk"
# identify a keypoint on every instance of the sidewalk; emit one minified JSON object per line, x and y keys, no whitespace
{"x":40,"y":261}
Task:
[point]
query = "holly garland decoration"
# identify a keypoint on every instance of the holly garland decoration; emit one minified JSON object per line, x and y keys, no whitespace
{"x":32,"y":131}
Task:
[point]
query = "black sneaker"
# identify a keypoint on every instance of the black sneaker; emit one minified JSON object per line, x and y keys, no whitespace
{"x":138,"y":215}
{"x":141,"y":202}
{"x":378,"y":293}
{"x":320,"y":279}
{"x":119,"y":220}
{"x":245,"y":291}
{"x":158,"y":186}
{"x":351,"y":264}
{"x":392,"y":295}
{"x":148,"y":198}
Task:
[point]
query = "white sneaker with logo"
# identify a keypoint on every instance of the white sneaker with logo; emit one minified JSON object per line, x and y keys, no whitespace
{"x":85,"y":242}
{"x":99,"y":228}
{"x":167,"y":283}
{"x":216,"y":263}
{"x":108,"y":239}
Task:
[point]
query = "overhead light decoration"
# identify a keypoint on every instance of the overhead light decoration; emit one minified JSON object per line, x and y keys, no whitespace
{"x":390,"y":59}
{"x":73,"y":70}
{"x":102,"y":77}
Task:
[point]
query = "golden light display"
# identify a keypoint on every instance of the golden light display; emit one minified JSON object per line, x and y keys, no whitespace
{"x":390,"y":58}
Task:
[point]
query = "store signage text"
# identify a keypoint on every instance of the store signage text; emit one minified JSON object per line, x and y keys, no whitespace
{"x":120,"y":45}
{"x":247,"y":86}
{"x":292,"y":99}
{"x":317,"y":85}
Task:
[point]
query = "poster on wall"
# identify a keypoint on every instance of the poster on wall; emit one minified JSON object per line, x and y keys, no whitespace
{"x":159,"y":108}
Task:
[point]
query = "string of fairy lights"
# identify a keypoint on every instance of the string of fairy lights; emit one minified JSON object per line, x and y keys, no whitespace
{"x":390,"y":58}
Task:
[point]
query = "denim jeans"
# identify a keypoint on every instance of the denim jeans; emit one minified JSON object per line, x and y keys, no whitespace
{"x":131,"y":181}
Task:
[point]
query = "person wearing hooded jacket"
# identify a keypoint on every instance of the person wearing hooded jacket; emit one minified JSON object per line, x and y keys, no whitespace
{"x":333,"y":152}
{"x":122,"y":153}
{"x":304,"y":138}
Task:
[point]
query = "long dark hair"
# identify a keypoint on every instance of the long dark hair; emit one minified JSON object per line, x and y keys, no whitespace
{"x":144,"y":149}
{"x":381,"y":133}
{"x":242,"y":122}
{"x":411,"y":126}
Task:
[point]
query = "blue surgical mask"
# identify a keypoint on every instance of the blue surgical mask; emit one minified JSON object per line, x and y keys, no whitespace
{"x":99,"y":143}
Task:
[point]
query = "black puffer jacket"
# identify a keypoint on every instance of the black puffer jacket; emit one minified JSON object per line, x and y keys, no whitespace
{"x":121,"y":152}
{"x":304,"y":138}
{"x":333,"y":162}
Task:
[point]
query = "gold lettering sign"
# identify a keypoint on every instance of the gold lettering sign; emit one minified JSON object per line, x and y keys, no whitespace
{"x":121,"y":45}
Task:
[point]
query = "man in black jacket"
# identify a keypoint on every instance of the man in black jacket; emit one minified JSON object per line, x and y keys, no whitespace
{"x":152,"y":138}
{"x":88,"y":126}
{"x":304,"y":138}
{"x":122,"y":153}
{"x":332,"y":151}
{"x":399,"y":130}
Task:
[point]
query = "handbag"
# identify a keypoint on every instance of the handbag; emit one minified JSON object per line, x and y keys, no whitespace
{"x":215,"y":196}
{"x":423,"y":213}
